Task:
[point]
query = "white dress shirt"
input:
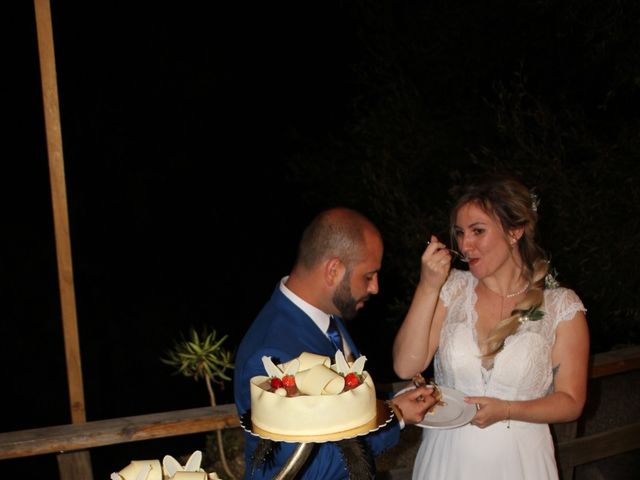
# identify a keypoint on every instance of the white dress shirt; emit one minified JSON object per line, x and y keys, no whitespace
{"x":320,"y":318}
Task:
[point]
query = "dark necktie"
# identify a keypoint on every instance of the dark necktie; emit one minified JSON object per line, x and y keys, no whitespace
{"x":334,"y":334}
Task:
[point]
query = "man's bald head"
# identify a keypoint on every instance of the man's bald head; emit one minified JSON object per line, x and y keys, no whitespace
{"x":336,"y":232}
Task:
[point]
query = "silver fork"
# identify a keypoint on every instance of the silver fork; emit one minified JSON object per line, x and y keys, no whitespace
{"x":463,"y":258}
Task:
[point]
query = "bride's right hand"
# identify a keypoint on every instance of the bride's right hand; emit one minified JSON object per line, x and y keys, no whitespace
{"x":436,"y":264}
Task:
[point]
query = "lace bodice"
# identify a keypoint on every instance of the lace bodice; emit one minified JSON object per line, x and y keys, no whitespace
{"x":522,"y":370}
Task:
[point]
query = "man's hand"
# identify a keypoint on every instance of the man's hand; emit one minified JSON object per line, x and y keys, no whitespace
{"x":414,"y":404}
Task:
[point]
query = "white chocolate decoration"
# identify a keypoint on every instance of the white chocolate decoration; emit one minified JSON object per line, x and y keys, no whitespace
{"x":319,"y":380}
{"x":170,"y":469}
{"x":140,"y":470}
{"x":309,"y":360}
{"x":190,"y":476}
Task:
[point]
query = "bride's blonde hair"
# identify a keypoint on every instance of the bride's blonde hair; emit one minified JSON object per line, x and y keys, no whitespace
{"x":511,"y":203}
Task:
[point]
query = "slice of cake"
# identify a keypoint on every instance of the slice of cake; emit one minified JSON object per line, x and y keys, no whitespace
{"x":310,"y":396}
{"x":419,"y":381}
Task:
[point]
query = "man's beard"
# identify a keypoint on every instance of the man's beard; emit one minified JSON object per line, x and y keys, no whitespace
{"x":344,"y":301}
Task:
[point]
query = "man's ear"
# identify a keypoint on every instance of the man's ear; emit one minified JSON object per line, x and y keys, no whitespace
{"x":333,"y":271}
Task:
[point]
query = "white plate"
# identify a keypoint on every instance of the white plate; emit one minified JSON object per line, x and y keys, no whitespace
{"x":455,"y":413}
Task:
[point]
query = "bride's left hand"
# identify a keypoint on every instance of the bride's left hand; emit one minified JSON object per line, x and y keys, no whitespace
{"x":490,"y":410}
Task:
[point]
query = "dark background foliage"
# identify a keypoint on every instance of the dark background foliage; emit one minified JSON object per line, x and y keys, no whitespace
{"x":199,"y":140}
{"x":542,"y":91}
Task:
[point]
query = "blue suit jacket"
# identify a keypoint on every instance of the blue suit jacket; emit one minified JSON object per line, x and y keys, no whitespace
{"x":283,"y":331}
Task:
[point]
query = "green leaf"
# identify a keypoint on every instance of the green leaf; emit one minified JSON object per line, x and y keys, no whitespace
{"x":532,"y":314}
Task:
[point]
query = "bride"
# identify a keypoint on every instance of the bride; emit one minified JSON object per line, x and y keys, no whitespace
{"x":504,"y":333}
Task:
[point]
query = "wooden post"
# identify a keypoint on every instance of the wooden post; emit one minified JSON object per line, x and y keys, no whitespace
{"x":71,"y":465}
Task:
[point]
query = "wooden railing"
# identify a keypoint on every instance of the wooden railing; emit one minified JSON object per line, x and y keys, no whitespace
{"x":572,"y":450}
{"x":63,"y":439}
{"x":99,"y":433}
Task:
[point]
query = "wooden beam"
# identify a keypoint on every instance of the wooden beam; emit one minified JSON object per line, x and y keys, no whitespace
{"x":595,"y":447}
{"x":75,"y":465}
{"x":78,"y":464}
{"x":615,"y":361}
{"x":68,"y":438}
{"x":59,"y":203}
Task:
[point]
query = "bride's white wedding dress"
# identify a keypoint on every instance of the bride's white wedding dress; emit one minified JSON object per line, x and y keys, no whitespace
{"x":521,"y":371}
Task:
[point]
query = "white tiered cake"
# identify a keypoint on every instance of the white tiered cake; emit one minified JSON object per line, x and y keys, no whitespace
{"x":308,"y":396}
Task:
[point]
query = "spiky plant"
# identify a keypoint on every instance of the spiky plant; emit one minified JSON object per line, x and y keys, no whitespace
{"x":202,"y":356}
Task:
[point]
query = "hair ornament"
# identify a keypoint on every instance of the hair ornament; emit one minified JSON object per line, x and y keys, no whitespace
{"x":535,"y":201}
{"x":550,"y":279}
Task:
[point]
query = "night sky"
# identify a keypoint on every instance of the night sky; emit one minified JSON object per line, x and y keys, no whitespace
{"x":179,"y":127}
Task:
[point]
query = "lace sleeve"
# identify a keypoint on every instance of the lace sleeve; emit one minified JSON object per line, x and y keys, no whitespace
{"x":453,"y":286}
{"x":564,"y":303}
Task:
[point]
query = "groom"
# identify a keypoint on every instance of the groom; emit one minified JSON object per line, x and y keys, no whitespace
{"x":335,"y":273}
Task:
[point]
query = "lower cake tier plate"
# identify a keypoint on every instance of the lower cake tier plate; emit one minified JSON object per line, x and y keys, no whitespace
{"x":384,"y":415}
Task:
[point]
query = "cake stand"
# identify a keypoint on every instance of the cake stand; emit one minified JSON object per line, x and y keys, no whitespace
{"x":384,"y":415}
